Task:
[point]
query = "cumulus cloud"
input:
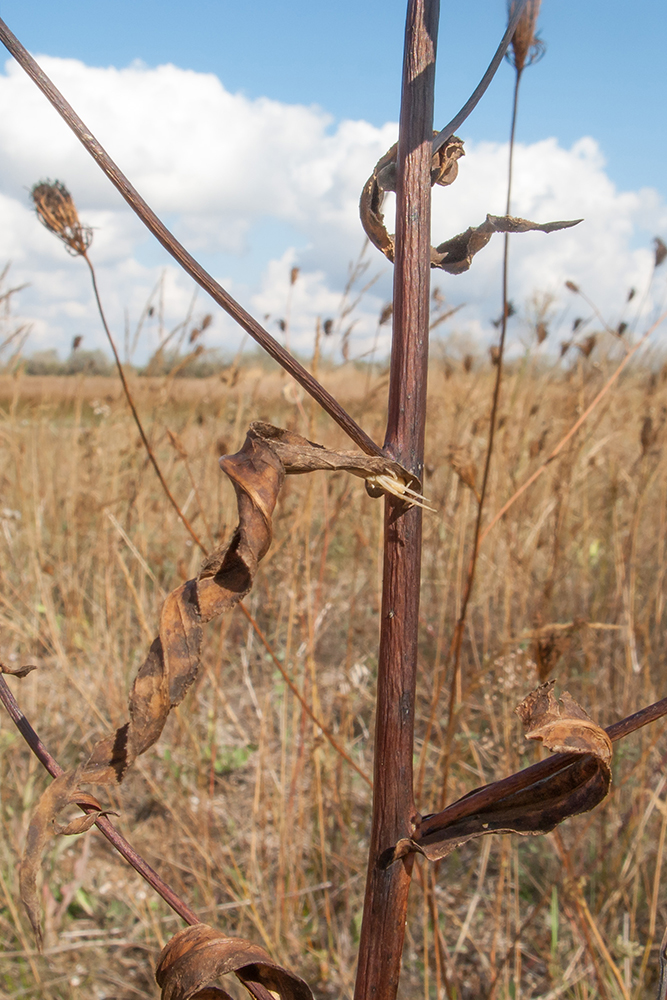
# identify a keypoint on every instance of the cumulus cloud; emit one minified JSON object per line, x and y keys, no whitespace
{"x":256,"y":187}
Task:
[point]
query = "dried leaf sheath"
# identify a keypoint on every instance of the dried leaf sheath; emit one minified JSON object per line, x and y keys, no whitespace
{"x":533,"y":801}
{"x":257,"y":472}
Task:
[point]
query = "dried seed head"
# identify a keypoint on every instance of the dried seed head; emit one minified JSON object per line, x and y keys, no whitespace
{"x":527,"y":47}
{"x":660,"y":251}
{"x":586,"y":346}
{"x":464,"y":467}
{"x":56,"y":210}
{"x":386,"y":314}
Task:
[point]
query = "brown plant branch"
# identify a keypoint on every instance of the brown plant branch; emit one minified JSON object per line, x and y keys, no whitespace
{"x":385,"y":903}
{"x":192,"y":267}
{"x":137,"y":420}
{"x":103,"y":824}
{"x":481,"y":88}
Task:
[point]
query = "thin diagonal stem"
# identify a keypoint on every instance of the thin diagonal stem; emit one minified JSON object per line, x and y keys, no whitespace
{"x":137,"y":420}
{"x":178,"y":251}
{"x":103,"y":824}
{"x":481,"y":88}
{"x":457,"y":639}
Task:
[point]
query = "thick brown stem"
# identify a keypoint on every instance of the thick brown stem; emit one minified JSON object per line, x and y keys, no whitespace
{"x":385,"y":905}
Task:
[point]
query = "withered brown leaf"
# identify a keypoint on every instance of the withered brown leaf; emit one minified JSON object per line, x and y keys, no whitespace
{"x":532,"y":801}
{"x":454,"y":255}
{"x":257,"y":473}
{"x":200,"y":954}
{"x":17,"y":671}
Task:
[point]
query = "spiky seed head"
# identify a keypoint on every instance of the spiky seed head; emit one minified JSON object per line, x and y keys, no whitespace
{"x":526,"y":46}
{"x":56,"y":210}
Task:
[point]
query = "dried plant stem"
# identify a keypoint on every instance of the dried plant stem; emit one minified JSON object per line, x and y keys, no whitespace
{"x":107,"y":828}
{"x":481,"y":88}
{"x":137,"y":420}
{"x":103,"y":824}
{"x":457,"y":639}
{"x":179,"y":253}
{"x":385,"y":904}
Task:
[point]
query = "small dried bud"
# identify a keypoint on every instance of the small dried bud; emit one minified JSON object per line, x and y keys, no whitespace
{"x":577,"y":323}
{"x":565,"y":346}
{"x":571,"y":285}
{"x":541,"y":332}
{"x":586,"y":347}
{"x":386,"y":314}
{"x":622,"y":327}
{"x":494,"y":354}
{"x":464,"y":467}
{"x":468,"y":362}
{"x":631,"y":295}
{"x":294,"y":274}
{"x":56,"y":210}
{"x":327,"y":326}
{"x":660,"y":251}
{"x":527,"y":48}
{"x":76,"y":343}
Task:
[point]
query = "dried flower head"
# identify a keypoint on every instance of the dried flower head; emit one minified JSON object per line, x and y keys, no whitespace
{"x":660,"y":251}
{"x":56,"y":210}
{"x":526,"y":46}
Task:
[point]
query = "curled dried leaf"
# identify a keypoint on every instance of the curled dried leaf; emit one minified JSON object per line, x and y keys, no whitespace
{"x":257,"y":473}
{"x":532,"y":801}
{"x":198,"y":955}
{"x":444,"y":170}
{"x":63,"y":791}
{"x":454,"y":255}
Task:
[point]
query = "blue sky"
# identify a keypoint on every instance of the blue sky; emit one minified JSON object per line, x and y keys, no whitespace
{"x":590,"y":127}
{"x":603,"y":74}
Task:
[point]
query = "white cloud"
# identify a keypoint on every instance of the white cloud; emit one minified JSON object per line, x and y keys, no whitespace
{"x":255,"y":187}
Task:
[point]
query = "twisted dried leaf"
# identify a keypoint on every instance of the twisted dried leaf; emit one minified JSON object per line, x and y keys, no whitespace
{"x":454,"y":255}
{"x":198,"y":955}
{"x":533,"y":801}
{"x":257,"y":473}
{"x":444,"y":170}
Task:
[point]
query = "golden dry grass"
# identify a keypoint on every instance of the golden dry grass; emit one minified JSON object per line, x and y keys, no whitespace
{"x":242,"y":805}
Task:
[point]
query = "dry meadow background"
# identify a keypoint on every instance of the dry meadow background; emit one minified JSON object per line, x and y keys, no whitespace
{"x":243,"y":805}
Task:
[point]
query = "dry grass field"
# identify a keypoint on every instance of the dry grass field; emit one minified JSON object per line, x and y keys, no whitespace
{"x":243,"y":805}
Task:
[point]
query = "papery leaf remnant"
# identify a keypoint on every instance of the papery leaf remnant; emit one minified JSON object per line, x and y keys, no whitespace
{"x":454,"y":255}
{"x":17,"y":671}
{"x":257,"y":473}
{"x":198,"y":955}
{"x":532,"y":801}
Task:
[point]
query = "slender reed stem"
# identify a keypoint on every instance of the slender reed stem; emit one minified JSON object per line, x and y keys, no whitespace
{"x":457,"y":639}
{"x":300,"y":698}
{"x":385,"y":905}
{"x":137,"y":420}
